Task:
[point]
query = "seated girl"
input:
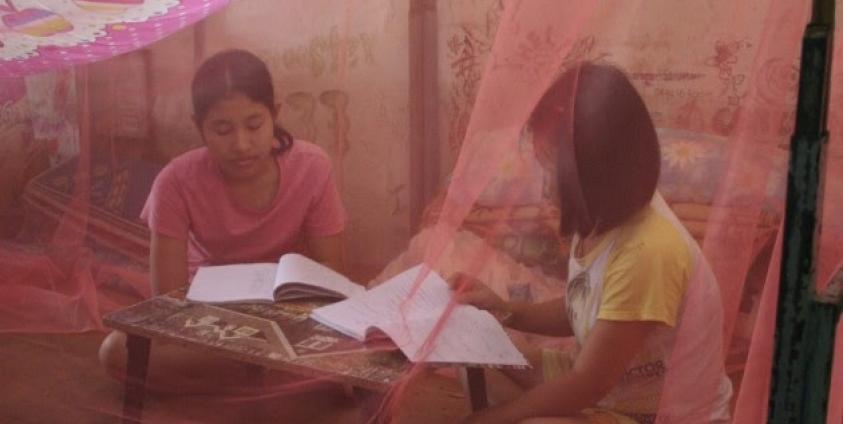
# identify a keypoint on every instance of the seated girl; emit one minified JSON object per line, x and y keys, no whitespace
{"x":641,"y":302}
{"x":250,"y":194}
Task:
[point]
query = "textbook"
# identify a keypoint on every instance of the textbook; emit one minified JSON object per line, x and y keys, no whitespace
{"x":293,"y":277}
{"x":409,"y":315}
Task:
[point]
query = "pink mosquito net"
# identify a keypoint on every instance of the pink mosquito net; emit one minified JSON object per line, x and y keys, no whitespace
{"x":430,"y":114}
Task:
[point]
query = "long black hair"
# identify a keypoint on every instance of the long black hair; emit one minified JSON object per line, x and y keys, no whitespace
{"x":608,"y":158}
{"x":240,"y":71}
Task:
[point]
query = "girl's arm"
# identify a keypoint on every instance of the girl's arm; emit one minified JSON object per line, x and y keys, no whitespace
{"x":611,"y":346}
{"x":329,"y":251}
{"x":167,"y":263}
{"x":546,"y":318}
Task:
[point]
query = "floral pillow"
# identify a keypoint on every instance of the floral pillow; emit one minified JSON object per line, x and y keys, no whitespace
{"x":513,"y":216}
{"x":118,"y":191}
{"x":693,"y":165}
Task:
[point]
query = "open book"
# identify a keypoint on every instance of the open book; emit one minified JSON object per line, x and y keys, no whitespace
{"x":468,"y":336}
{"x":293,"y":277}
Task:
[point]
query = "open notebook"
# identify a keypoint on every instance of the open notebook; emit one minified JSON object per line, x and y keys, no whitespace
{"x":469,"y":336}
{"x":293,"y":277}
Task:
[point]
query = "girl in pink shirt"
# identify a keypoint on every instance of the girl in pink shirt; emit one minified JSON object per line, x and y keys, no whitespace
{"x":192,"y":205}
{"x":251,"y":194}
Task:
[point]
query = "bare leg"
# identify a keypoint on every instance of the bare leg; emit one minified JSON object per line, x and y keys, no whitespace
{"x":501,"y":388}
{"x":370,"y":404}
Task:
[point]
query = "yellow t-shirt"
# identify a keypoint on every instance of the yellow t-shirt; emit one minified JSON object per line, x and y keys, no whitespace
{"x":638,"y":272}
{"x":647,"y":272}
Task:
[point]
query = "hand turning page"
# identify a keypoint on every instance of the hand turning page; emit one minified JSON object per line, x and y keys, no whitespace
{"x":467,"y":336}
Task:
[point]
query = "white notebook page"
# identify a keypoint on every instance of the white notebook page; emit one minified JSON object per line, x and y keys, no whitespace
{"x":227,"y":283}
{"x":295,"y":268}
{"x":470,"y":336}
{"x":384,"y":302}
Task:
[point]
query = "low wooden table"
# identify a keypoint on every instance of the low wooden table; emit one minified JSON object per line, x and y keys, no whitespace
{"x":278,"y":336}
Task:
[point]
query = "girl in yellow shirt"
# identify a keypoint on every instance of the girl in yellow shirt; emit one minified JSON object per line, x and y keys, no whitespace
{"x":637,"y":281}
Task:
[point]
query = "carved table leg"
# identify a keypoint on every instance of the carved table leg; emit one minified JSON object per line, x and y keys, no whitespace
{"x":477,"y":388}
{"x":137,"y":363}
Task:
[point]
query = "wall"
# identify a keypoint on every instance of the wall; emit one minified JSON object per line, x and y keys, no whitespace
{"x":171,"y":63}
{"x":53,"y":110}
{"x":466,"y":33}
{"x":693,"y":76}
{"x":120,"y":94}
{"x":17,"y":148}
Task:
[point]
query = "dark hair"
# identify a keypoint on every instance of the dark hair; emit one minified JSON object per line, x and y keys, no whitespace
{"x":608,"y":156}
{"x":240,"y":71}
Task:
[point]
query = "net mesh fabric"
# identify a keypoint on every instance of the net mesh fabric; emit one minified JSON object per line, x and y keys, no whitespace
{"x":82,"y":146}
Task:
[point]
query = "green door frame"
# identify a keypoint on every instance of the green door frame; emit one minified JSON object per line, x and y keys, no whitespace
{"x":805,"y":325}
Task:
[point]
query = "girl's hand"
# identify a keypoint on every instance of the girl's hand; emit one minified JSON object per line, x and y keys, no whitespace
{"x":472,"y":291}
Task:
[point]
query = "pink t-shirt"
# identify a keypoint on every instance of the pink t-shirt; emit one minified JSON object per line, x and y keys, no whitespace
{"x":190,"y":201}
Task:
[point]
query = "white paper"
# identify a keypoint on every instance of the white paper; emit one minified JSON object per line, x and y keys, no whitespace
{"x":469,"y":336}
{"x":232,"y":283}
{"x":385,"y":302}
{"x":295,"y":268}
{"x":257,"y":282}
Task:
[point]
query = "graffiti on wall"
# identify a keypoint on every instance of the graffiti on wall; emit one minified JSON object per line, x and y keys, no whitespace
{"x":467,"y":48}
{"x":330,"y":53}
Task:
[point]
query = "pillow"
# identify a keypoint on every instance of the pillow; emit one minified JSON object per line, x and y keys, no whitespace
{"x":528,"y":234}
{"x":693,"y":165}
{"x":118,"y":192}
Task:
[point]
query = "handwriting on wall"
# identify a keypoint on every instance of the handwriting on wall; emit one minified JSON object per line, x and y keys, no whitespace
{"x":304,"y":119}
{"x":467,"y":50}
{"x":330,"y":53}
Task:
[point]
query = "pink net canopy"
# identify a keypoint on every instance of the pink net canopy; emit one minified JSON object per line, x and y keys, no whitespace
{"x":461,"y":134}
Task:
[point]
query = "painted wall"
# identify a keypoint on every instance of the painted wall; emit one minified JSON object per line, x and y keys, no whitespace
{"x":691,"y":78}
{"x":16,"y":149}
{"x":466,"y":33}
{"x":171,"y":64}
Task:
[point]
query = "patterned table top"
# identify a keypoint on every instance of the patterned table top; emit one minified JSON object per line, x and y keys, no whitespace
{"x":278,"y":335}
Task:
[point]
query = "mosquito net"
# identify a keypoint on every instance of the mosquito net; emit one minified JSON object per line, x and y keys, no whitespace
{"x":628,"y":157}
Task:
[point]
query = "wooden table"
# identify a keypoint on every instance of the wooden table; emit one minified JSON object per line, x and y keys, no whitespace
{"x":277,"y":336}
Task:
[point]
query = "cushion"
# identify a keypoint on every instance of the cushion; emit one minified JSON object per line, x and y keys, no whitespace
{"x":693,"y":165}
{"x":526,"y":233}
{"x":118,"y":192}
